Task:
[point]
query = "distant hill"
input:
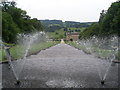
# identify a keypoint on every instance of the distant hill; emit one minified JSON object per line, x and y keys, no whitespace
{"x":53,"y":25}
{"x":48,"y":22}
{"x":77,"y":24}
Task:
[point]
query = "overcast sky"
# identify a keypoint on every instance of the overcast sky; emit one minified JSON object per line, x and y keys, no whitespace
{"x":66,"y":10}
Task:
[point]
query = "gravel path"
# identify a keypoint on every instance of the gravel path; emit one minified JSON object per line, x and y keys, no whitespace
{"x":62,"y":66}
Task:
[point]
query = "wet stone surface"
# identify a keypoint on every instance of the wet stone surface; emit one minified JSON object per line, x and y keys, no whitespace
{"x":61,"y":66}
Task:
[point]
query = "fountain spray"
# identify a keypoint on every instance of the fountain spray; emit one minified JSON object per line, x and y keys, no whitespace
{"x":96,"y":47}
{"x":26,"y":53}
{"x":7,"y":50}
{"x":27,"y":41}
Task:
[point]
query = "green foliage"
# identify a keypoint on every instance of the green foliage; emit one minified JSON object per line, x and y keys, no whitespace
{"x":76,"y":24}
{"x":58,"y":34}
{"x":111,"y":20}
{"x":10,"y":29}
{"x":109,"y":23}
{"x":53,"y":27}
{"x":90,"y":31}
{"x":36,"y":24}
{"x":16,"y":20}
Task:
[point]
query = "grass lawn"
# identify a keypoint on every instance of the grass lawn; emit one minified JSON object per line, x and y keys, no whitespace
{"x":58,"y":34}
{"x":18,"y":51}
{"x":101,"y":53}
{"x":1,"y":54}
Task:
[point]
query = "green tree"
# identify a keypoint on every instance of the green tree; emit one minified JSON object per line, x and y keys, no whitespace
{"x":109,"y":23}
{"x":90,"y":31}
{"x":16,"y":20}
{"x":10,"y":29}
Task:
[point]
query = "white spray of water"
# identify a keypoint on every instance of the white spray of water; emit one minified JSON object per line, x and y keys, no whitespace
{"x":105,"y":48}
{"x":25,"y":42}
{"x":6,"y":50}
{"x":28,"y":41}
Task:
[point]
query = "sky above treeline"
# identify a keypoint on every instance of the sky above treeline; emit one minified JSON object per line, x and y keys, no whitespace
{"x":66,"y":10}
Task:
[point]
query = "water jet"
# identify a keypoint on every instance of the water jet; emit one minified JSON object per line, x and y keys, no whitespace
{"x":106,"y":49}
{"x":25,"y":42}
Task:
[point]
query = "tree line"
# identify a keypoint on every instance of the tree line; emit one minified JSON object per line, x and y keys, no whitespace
{"x":16,"y":20}
{"x":109,"y":23}
{"x":53,"y":25}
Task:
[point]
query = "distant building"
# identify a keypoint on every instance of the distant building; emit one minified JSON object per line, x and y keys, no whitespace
{"x":72,"y":36}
